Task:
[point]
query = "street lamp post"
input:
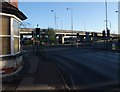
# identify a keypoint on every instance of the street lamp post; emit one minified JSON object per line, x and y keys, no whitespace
{"x":84,"y":25}
{"x":57,"y":23}
{"x":118,"y":19}
{"x":54,"y":18}
{"x":106,"y":38}
{"x":61,"y":25}
{"x":71,"y":17}
{"x":106,"y":13}
{"x":71,"y":21}
{"x":108,"y":24}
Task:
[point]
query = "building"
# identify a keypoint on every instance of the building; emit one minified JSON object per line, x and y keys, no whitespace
{"x":10,"y":52}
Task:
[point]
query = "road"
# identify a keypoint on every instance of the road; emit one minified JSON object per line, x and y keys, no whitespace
{"x":82,"y":68}
{"x":86,"y":68}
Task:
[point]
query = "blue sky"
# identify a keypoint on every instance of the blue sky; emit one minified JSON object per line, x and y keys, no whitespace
{"x":87,"y":16}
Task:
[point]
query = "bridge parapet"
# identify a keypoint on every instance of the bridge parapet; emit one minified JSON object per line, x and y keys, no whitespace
{"x":26,"y":30}
{"x":64,"y":32}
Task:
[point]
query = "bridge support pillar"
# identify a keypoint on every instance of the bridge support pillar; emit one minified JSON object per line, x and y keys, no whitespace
{"x":61,"y":39}
{"x":81,"y":38}
{"x":87,"y":37}
{"x":21,"y":36}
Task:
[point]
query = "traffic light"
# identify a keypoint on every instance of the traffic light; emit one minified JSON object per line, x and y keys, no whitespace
{"x":95,"y":34}
{"x":77,"y":35}
{"x":32,"y":34}
{"x":37,"y":32}
{"x":108,"y":32}
{"x":103,"y":33}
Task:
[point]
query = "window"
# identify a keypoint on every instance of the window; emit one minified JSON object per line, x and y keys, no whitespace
{"x":16,"y":45}
{"x":5,"y":23}
{"x":5,"y":46}
{"x":16,"y":35}
{"x":9,"y":37}
{"x":16,"y":27}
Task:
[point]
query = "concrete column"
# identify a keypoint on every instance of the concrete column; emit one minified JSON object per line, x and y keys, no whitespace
{"x":21,"y":36}
{"x":81,"y":38}
{"x":95,"y":36}
{"x":61,"y":39}
{"x":87,"y":37}
{"x":91,"y":38}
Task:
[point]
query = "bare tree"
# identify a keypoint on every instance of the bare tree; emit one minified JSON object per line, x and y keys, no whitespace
{"x":25,"y":25}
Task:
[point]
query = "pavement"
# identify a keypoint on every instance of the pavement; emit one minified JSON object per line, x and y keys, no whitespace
{"x":37,"y":74}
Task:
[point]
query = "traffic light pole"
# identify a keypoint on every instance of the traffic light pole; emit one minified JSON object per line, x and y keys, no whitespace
{"x":37,"y":39}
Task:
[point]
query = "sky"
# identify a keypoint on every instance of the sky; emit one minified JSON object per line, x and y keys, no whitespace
{"x":87,"y":16}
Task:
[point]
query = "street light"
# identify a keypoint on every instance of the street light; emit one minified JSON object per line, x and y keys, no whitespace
{"x":84,"y":25}
{"x":118,"y":11}
{"x":71,"y":21}
{"x":108,"y":24}
{"x":105,"y":40}
{"x":57,"y":22}
{"x":71,"y":17}
{"x":106,"y":13}
{"x":54,"y":17}
{"x":61,"y":25}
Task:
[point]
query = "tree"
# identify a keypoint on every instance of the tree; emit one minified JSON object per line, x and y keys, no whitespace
{"x":25,"y":25}
{"x":51,"y":35}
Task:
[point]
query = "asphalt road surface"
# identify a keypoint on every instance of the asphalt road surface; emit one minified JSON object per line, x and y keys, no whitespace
{"x":86,"y":68}
{"x":83,"y":68}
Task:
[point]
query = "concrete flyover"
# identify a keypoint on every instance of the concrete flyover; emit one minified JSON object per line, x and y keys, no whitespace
{"x":62,"y":34}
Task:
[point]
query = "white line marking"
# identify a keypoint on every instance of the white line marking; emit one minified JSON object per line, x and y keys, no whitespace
{"x":73,"y":83}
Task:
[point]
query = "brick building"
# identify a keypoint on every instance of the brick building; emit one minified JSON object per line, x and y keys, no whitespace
{"x":10,"y":52}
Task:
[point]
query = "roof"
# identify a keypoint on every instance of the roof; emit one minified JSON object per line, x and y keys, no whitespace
{"x":10,"y":9}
